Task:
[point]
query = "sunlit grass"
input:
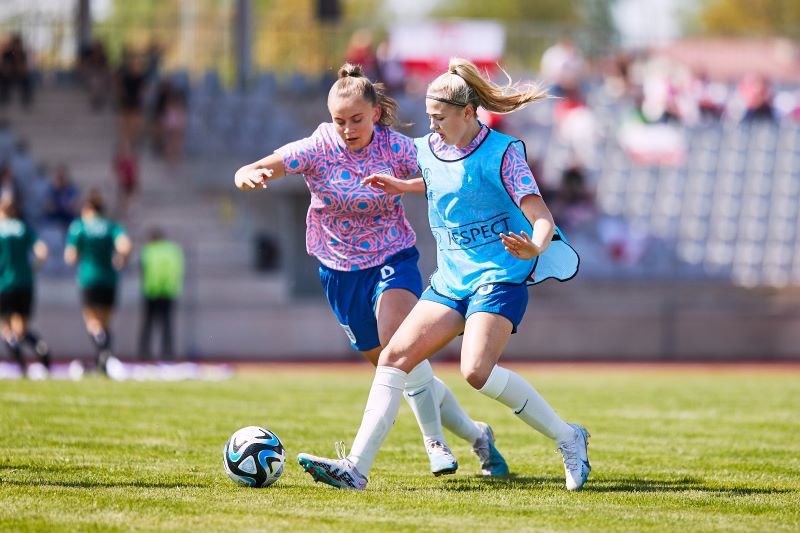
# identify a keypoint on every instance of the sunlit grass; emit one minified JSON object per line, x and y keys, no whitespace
{"x":683,"y":450}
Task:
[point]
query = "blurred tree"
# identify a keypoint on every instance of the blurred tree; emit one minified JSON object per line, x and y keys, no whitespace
{"x":751,"y":17}
{"x":600,"y":20}
{"x":136,"y":24}
{"x":293,"y":38}
{"x":542,"y":11}
{"x":363,"y":11}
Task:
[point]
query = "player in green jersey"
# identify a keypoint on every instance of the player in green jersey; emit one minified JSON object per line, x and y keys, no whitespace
{"x":100,"y":247}
{"x":17,"y":241}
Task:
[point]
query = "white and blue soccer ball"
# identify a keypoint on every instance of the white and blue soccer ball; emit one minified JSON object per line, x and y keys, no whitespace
{"x":254,"y":457}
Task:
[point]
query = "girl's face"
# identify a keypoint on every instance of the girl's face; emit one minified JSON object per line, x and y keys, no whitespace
{"x":453,"y":124}
{"x":354,"y":119}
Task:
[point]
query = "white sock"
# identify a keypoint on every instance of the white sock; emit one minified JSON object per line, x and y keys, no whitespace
{"x":420,"y":393}
{"x":511,"y":390}
{"x":379,"y":416}
{"x":453,"y":416}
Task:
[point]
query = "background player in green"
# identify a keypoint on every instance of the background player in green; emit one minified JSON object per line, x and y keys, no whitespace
{"x":17,"y":241}
{"x":162,"y":281}
{"x":100,"y":247}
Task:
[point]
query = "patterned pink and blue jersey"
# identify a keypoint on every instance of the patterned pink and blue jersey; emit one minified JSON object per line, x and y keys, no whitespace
{"x":517,"y":177}
{"x":350,"y":226}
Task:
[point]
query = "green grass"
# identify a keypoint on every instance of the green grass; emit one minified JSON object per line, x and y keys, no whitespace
{"x":673,"y":450}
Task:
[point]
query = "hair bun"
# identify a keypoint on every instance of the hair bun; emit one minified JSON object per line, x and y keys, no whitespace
{"x":350,"y":70}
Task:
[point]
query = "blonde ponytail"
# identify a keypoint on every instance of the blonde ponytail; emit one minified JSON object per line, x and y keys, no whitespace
{"x":463,"y":85}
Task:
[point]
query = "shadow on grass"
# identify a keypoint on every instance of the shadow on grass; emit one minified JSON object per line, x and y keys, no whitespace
{"x":87,"y":484}
{"x":38,"y":481}
{"x":481,"y":483}
{"x":674,"y":485}
{"x":607,"y":485}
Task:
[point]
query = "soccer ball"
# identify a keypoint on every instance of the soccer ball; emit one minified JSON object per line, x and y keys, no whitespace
{"x":254,"y":457}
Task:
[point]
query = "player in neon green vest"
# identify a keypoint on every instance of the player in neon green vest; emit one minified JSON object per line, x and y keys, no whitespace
{"x":17,"y":241}
{"x":100,"y":248}
{"x":162,"y":282}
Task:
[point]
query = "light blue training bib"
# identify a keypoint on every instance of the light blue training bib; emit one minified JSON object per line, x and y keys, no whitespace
{"x":468,"y":209}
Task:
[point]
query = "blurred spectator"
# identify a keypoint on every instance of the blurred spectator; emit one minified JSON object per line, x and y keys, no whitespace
{"x":546,"y":179}
{"x":392,"y":72}
{"x":63,"y":199}
{"x":96,"y":74}
{"x":577,"y":129}
{"x":7,"y":140}
{"x":162,"y":266}
{"x":361,"y":51}
{"x":651,"y":143}
{"x":563,"y":67}
{"x":666,"y":93}
{"x":659,"y":100}
{"x":754,"y":98}
{"x":492,"y":120}
{"x":163,"y":89}
{"x":9,"y":188}
{"x":574,"y":203}
{"x":15,"y":72}
{"x":616,"y":75}
{"x":624,"y":244}
{"x":548,"y":189}
{"x":786,"y":103}
{"x":709,"y":95}
{"x":174,"y":124}
{"x":22,"y":164}
{"x":169,"y":121}
{"x":125,"y":164}
{"x":131,"y":81}
{"x":36,"y":197}
{"x":152,"y":60}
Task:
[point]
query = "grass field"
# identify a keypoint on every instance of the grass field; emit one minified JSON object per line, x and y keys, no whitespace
{"x":672,"y":449}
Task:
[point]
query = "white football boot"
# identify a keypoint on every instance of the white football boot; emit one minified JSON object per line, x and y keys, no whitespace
{"x":575,"y":452}
{"x":339,"y":473}
{"x":492,"y":462}
{"x":442,"y":460}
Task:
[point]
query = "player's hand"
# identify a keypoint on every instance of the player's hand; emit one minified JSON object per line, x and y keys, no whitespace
{"x":118,"y":262}
{"x":386,"y":183}
{"x":249,"y":178}
{"x":520,"y":246}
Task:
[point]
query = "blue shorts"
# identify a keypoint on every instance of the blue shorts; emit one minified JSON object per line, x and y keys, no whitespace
{"x":353,"y":295}
{"x":501,"y":299}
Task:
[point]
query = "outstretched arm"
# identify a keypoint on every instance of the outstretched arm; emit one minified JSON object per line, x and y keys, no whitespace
{"x":40,"y":252}
{"x":390,"y":184}
{"x":257,"y":174}
{"x":123,"y":247}
{"x":70,"y":254}
{"x":524,"y":246}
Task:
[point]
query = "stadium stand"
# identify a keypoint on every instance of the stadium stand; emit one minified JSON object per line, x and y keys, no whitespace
{"x":724,"y":217}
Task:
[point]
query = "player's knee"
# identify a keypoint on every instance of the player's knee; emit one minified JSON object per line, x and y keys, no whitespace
{"x":475,"y":375}
{"x":394,"y":358}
